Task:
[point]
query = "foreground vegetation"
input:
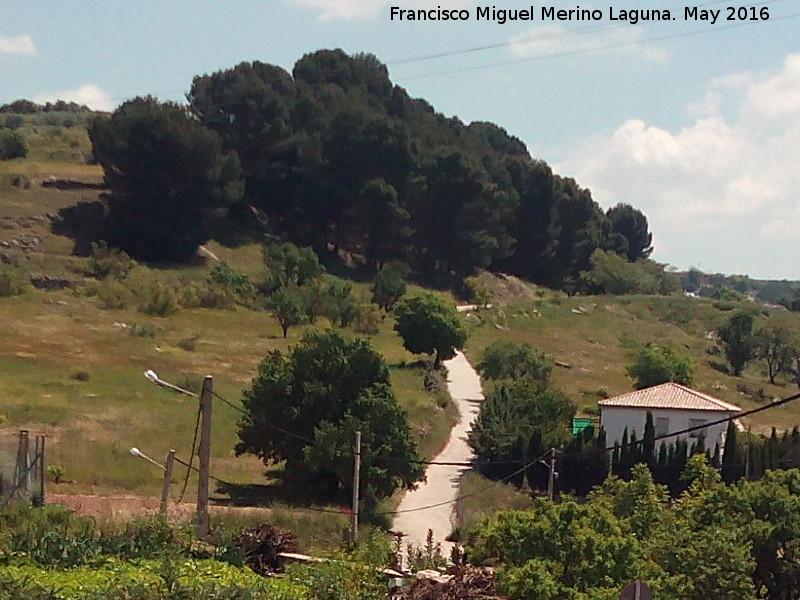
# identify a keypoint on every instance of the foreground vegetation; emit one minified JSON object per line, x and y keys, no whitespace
{"x":47,"y":554}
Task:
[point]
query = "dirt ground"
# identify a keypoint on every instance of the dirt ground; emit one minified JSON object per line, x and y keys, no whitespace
{"x":126,"y":507}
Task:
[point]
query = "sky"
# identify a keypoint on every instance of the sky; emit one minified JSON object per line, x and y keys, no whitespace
{"x":696,"y":123}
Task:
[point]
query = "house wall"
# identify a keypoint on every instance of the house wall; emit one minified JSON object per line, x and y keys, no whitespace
{"x":614,"y":419}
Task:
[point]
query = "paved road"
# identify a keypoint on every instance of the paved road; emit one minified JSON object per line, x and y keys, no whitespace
{"x":441,"y":487}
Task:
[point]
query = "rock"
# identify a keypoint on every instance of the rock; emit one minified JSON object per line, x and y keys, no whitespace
{"x":49,"y":283}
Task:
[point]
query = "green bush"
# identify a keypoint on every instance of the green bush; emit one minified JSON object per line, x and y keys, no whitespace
{"x":113,"y":295}
{"x":207,"y":295}
{"x":368,"y":319}
{"x":12,"y":282}
{"x":11,"y":145}
{"x":159,"y":301}
{"x":20,"y":181}
{"x":105,"y":262}
{"x":222,"y":275}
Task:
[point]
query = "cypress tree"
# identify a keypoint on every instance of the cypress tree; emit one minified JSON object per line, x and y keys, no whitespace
{"x":648,"y":441}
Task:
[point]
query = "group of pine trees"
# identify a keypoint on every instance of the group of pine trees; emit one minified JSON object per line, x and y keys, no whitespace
{"x":336,"y":157}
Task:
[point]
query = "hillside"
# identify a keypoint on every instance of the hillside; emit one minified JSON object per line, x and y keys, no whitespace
{"x":72,"y":365}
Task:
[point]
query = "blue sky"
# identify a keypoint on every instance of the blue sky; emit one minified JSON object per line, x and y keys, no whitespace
{"x":696,"y":124}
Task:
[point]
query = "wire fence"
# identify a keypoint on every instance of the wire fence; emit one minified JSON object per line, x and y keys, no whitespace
{"x":22,"y":467}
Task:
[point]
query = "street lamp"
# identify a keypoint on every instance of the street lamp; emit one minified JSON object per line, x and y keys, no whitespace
{"x":136,"y":452}
{"x":152,"y":376}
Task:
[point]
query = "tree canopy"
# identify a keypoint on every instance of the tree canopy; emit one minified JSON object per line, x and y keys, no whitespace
{"x":336,"y":157}
{"x":168,"y":176}
{"x":304,"y":407}
{"x":739,"y":340}
{"x":653,"y":364}
{"x":429,"y":324}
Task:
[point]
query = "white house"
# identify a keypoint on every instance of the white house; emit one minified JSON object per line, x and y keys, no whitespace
{"x":674,"y":407}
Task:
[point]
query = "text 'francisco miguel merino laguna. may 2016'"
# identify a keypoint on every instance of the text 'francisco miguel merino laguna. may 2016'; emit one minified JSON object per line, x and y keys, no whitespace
{"x":631,"y":16}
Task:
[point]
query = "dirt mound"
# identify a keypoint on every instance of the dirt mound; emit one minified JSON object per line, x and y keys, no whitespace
{"x":466,"y":583}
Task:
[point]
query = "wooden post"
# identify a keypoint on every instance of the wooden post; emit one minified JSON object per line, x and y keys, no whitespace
{"x":203,"y":518}
{"x":356,"y":485}
{"x":167,"y":483}
{"x":552,"y":475}
{"x":42,"y":463}
{"x":23,"y":461}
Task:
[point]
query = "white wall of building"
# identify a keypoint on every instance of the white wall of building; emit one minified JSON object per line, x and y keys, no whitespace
{"x":614,"y":419}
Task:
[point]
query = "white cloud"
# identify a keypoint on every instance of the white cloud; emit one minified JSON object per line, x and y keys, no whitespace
{"x":366,"y":9}
{"x":90,"y":95}
{"x":546,"y":40}
{"x":22,"y":44}
{"x":721,"y":189}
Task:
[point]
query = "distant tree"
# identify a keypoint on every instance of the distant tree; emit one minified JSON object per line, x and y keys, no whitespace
{"x":727,"y":294}
{"x":653,"y":364}
{"x":479,"y":290}
{"x":631,"y":225}
{"x":774,"y":348}
{"x":429,"y":324}
{"x":740,"y":343}
{"x":612,"y":274}
{"x":288,"y":307}
{"x":289,"y":264}
{"x":389,"y":286}
{"x":168,"y":177}
{"x":792,"y":302}
{"x":507,"y":360}
{"x":304,"y":406}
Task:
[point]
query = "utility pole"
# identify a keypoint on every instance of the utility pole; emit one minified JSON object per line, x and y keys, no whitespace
{"x":203,"y":518}
{"x":552,"y":475}
{"x":747,"y":457}
{"x":167,"y":483}
{"x":356,"y":482}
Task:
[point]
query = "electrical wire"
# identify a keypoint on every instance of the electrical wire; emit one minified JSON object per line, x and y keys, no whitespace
{"x":694,"y":428}
{"x":544,"y":37}
{"x":191,"y":456}
{"x":612,"y":46}
{"x":475,"y":493}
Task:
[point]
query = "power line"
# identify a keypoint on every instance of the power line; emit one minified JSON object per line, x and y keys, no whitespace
{"x":475,"y":493}
{"x":544,"y":37}
{"x":692,"y":429}
{"x":579,"y":51}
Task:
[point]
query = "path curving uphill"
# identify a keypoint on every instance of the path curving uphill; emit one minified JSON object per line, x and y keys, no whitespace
{"x":431,"y":505}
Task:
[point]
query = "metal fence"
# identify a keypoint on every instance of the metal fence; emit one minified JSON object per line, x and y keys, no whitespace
{"x":22,"y":467}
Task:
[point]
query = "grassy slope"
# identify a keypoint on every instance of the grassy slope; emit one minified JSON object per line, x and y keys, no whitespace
{"x":594,"y":335}
{"x":48,"y":338}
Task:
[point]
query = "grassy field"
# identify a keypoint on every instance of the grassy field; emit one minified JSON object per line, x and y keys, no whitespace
{"x":593,"y":337}
{"x":73,"y":369}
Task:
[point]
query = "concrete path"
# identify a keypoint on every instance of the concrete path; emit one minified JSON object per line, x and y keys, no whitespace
{"x":441,"y":487}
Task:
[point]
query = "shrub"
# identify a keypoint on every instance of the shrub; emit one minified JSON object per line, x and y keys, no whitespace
{"x":12,"y":282}
{"x":143,"y":331}
{"x":11,"y":145}
{"x":206,"y":295}
{"x":20,"y":181}
{"x":113,"y":295}
{"x":159,"y":301}
{"x":105,"y":262}
{"x":189,"y":343}
{"x":222,"y":275}
{"x":80,"y":375}
{"x":368,"y":319}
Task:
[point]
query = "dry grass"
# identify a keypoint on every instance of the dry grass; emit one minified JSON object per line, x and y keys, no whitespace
{"x":594,"y":336}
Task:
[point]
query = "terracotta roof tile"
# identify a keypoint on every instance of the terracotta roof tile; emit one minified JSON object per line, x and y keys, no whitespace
{"x":670,"y":395}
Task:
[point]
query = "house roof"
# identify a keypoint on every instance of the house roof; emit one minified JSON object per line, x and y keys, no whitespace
{"x":669,"y":396}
